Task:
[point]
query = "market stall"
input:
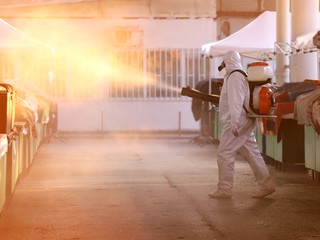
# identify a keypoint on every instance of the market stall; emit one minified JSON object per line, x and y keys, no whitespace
{"x":283,"y":136}
{"x":21,"y":131}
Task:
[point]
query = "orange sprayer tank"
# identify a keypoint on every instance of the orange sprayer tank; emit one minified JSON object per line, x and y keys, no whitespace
{"x":265,"y":101}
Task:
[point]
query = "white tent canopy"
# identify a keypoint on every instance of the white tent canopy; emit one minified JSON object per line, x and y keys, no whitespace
{"x":255,"y":40}
{"x":306,"y":40}
{"x":14,"y":38}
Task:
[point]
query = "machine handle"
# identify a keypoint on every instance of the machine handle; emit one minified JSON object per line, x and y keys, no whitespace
{"x":193,"y":93}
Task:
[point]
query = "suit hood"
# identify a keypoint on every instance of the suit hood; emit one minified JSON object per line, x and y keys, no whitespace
{"x":232,"y":61}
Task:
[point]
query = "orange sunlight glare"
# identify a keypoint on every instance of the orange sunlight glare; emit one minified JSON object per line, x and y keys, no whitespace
{"x":90,"y":61}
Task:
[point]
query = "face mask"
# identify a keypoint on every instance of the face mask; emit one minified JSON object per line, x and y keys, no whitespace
{"x":222,"y":66}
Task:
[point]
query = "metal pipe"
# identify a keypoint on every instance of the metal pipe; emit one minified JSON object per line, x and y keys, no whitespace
{"x":283,"y":36}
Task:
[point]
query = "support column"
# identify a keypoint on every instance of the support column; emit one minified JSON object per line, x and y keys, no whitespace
{"x":305,"y":19}
{"x":283,"y":36}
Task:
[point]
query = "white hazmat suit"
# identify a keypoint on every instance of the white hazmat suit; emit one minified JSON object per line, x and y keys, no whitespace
{"x":237,"y":133}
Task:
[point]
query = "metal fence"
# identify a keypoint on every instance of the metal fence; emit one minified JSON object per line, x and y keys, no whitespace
{"x":117,"y":74}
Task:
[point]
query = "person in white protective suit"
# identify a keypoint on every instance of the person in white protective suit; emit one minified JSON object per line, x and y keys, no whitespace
{"x":237,"y":134}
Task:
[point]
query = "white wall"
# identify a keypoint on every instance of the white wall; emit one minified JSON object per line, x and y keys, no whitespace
{"x":125,"y":116}
{"x":178,"y":33}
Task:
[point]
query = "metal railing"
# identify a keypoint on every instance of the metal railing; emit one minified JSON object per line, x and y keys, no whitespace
{"x":117,"y":74}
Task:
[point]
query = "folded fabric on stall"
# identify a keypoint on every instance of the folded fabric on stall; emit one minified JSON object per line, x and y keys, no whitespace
{"x":301,"y":106}
{"x":290,"y":91}
{"x":301,"y":88}
{"x":315,"y":115}
{"x":282,"y":109}
{"x":25,"y":113}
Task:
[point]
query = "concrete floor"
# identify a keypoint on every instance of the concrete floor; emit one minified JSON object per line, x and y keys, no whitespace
{"x":151,"y":187}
